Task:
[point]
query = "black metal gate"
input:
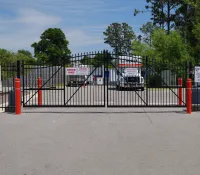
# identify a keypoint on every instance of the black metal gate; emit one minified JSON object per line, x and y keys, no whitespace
{"x":100,"y":79}
{"x":64,"y":85}
{"x":145,"y":82}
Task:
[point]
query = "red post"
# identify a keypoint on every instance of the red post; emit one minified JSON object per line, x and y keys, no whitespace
{"x":180,"y":91}
{"x":189,"y":96}
{"x":39,"y":91}
{"x":17,"y":96}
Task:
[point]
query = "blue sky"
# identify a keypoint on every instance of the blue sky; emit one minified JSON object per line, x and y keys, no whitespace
{"x":82,"y":21}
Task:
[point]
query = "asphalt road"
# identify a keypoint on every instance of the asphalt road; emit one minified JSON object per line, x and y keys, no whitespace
{"x":94,"y":95}
{"x":112,"y":141}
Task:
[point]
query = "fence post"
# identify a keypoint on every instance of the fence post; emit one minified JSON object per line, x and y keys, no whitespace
{"x":39,"y":91}
{"x":189,"y":95}
{"x":18,"y":69}
{"x":17,"y":96}
{"x":180,"y":91}
{"x":190,"y":69}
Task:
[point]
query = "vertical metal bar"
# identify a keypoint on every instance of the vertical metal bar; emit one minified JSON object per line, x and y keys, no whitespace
{"x":72,"y":100}
{"x":43,"y":75}
{"x":92,"y":87}
{"x":129,"y":90}
{"x":27,"y":82}
{"x":85,"y":96}
{"x":23,"y":80}
{"x":153,"y":94}
{"x":57,"y":85}
{"x":147,"y":80}
{"x":168,"y":85}
{"x":76,"y":96}
{"x":6,"y":75}
{"x":42,"y":78}
{"x":52,"y":91}
{"x":35,"y":85}
{"x":114,"y":74}
{"x":1,"y":66}
{"x":64,"y":76}
{"x":18,"y":72}
{"x":167,"y":90}
{"x":18,"y":68}
{"x":106,"y":80}
{"x":48,"y":75}
{"x":197,"y":88}
{"x":120,"y":95}
{"x":56,"y":77}
{"x":169,"y":96}
{"x":86,"y":62}
{"x":190,"y":69}
{"x":158,"y":87}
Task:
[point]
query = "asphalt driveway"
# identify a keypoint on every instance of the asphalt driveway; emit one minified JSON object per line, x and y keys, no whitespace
{"x":100,"y":142}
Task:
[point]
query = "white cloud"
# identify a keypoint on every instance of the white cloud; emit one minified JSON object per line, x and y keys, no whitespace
{"x":34,"y":17}
{"x":79,"y":37}
{"x":31,"y":18}
{"x":26,"y":28}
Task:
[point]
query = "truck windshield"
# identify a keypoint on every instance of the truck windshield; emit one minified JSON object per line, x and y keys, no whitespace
{"x":132,"y":79}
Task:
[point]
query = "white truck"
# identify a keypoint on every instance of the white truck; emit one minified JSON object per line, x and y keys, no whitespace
{"x":130,"y":79}
{"x":77,"y":76}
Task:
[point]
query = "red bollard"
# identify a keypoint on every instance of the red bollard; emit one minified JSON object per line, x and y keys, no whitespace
{"x":17,"y":96}
{"x":39,"y":91}
{"x":189,"y":96}
{"x":180,"y":91}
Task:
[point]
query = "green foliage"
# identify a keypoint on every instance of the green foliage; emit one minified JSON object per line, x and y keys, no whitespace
{"x":101,"y":59}
{"x":119,"y":37}
{"x":25,"y":52}
{"x":53,"y":47}
{"x":163,"y":12}
{"x":196,"y":31}
{"x":141,"y":49}
{"x":148,"y":29}
{"x":6,"y":56}
{"x":9,"y":59}
{"x":166,"y":50}
{"x":195,"y":42}
{"x":183,"y":16}
{"x":86,"y":60}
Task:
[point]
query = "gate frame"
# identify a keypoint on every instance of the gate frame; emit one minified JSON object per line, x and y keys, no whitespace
{"x":106,"y":83}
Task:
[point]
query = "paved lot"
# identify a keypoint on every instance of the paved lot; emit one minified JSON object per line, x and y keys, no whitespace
{"x":100,"y":141}
{"x":94,"y":95}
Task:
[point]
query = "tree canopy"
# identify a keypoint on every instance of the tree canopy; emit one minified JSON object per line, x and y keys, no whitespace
{"x":180,"y":17}
{"x":100,"y":58}
{"x":119,"y":37}
{"x":7,"y":56}
{"x":147,"y":30}
{"x":165,"y":48}
{"x":52,"y":47}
